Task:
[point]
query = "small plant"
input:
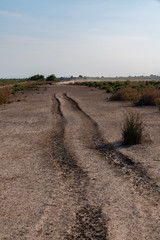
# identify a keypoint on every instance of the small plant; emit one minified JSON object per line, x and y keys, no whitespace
{"x":132,"y":128}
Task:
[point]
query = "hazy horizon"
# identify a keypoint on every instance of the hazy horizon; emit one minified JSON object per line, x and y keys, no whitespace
{"x":79,"y":37}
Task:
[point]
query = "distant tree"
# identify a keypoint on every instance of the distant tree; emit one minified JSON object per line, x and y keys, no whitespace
{"x":37,"y":77}
{"x":80,"y":76}
{"x":51,"y":78}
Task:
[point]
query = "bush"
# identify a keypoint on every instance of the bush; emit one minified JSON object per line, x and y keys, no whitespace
{"x":51,"y":78}
{"x":37,"y":77}
{"x":5,"y":94}
{"x":132,"y":128}
{"x":110,"y":90}
{"x":125,"y":94}
{"x":17,"y":88}
{"x":148,"y":97}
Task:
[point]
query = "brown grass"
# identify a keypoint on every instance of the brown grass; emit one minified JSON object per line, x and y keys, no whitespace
{"x":148,"y":97}
{"x":139,"y":97}
{"x":126,"y":94}
{"x":5,"y":94}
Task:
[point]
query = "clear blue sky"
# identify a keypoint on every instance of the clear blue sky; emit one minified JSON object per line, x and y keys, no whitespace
{"x":72,"y":37}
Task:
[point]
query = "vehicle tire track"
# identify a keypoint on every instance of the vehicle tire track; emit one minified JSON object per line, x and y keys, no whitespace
{"x":88,"y":222}
{"x":82,"y":219}
{"x":63,"y":158}
{"x":96,"y":136}
{"x":136,"y":174}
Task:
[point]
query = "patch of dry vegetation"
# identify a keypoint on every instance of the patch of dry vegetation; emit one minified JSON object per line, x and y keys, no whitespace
{"x":7,"y":91}
{"x":139,"y":97}
{"x":148,"y":97}
{"x":5,"y":94}
{"x":125,"y":94}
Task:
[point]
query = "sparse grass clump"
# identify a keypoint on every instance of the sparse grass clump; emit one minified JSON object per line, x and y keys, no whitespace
{"x":132,"y":128}
{"x":5,"y":94}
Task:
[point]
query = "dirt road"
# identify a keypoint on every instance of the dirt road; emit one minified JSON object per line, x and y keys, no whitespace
{"x":64,"y":175}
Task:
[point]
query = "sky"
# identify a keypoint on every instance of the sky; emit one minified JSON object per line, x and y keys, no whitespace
{"x":79,"y":37}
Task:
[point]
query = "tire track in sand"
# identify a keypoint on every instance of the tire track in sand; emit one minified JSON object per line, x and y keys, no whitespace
{"x":83,"y":220}
{"x":88,"y":222}
{"x":136,"y":174}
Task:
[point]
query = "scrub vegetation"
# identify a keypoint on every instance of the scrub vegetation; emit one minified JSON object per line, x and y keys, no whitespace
{"x":140,"y":93}
{"x":8,"y":87}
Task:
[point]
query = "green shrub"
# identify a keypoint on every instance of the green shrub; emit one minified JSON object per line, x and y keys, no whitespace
{"x":17,"y":88}
{"x":51,"y":78}
{"x":110,"y":90}
{"x":132,"y":128}
{"x":37,"y":78}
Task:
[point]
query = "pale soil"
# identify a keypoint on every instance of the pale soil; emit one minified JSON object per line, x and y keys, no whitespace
{"x":65,"y":175}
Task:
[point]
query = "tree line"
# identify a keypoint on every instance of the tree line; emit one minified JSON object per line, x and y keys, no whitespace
{"x":39,"y":77}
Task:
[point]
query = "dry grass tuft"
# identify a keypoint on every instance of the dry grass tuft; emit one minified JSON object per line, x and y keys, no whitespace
{"x":132,"y":128}
{"x":5,"y":94}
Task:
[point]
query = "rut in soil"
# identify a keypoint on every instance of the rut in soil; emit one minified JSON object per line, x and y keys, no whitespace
{"x":88,"y":222}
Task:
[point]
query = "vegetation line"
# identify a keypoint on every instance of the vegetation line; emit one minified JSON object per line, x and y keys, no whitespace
{"x":140,"y":93}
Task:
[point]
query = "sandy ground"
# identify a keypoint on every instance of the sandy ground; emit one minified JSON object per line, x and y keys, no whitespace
{"x":64,"y":174}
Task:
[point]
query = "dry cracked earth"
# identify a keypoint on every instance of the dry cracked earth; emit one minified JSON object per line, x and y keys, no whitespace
{"x":64,"y":174}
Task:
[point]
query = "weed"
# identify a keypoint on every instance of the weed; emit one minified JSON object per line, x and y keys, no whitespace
{"x":132,"y":128}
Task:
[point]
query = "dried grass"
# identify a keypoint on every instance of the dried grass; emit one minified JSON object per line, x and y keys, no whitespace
{"x":5,"y":94}
{"x":148,"y":97}
{"x":139,"y":97}
{"x":126,"y":94}
{"x":132,"y":128}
